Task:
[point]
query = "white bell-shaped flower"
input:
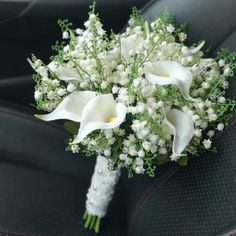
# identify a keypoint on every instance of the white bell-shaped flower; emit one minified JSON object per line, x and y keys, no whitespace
{"x":170,"y":72}
{"x":129,"y":44}
{"x":64,"y":72}
{"x":71,"y":107}
{"x":102,"y":112}
{"x":181,"y":127}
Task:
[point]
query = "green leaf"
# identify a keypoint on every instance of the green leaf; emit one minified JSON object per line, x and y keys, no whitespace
{"x":71,"y":127}
{"x":183,"y":160}
{"x":67,"y":141}
{"x":166,"y":17}
{"x":162,"y":159}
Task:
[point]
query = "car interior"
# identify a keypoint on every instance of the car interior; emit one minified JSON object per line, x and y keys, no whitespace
{"x":43,"y":188}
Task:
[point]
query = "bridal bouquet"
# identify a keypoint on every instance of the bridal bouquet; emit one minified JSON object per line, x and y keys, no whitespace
{"x":134,"y":100}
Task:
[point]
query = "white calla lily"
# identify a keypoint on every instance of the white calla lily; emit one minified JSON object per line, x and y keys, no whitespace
{"x":64,"y":73}
{"x":170,"y":72}
{"x":181,"y":126}
{"x":128,"y":44}
{"x":101,"y":112}
{"x":71,"y":107}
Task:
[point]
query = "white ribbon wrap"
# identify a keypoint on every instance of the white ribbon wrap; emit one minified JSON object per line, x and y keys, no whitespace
{"x":102,"y":188}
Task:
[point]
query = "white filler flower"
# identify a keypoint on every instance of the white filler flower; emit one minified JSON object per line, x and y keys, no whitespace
{"x":170,"y":72}
{"x":129,"y":44}
{"x":207,"y":143}
{"x":181,"y":126}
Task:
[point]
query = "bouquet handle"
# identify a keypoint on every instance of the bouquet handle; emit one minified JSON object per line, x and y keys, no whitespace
{"x":100,"y":193}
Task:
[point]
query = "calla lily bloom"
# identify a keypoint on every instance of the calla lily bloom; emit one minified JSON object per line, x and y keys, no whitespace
{"x":93,"y":111}
{"x":64,"y":73}
{"x":170,"y":72}
{"x":71,"y":107}
{"x":101,"y":112}
{"x":132,"y":42}
{"x":181,"y":127}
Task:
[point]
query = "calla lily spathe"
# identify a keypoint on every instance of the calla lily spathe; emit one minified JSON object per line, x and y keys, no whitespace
{"x":170,"y":72}
{"x":64,"y":73}
{"x":181,"y":126}
{"x":91,"y":110}
{"x":71,"y":107}
{"x":102,"y":112}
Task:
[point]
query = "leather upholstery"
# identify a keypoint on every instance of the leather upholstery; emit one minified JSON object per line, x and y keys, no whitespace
{"x":35,"y":29}
{"x":195,"y":200}
{"x":212,"y":21}
{"x":43,"y":188}
{"x":18,"y":89}
{"x":50,"y":184}
{"x":201,"y":198}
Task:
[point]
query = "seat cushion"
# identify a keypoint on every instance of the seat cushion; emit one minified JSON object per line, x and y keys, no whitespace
{"x":199,"y":199}
{"x":17,"y":89}
{"x":37,"y":202}
{"x":26,"y":140}
{"x":42,"y":187}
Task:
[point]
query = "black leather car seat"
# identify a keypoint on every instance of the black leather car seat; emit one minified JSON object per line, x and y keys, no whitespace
{"x":43,"y":188}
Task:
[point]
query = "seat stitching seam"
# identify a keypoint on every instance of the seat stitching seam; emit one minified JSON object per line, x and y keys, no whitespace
{"x":11,"y":233}
{"x":157,"y":184}
{"x":148,"y":194}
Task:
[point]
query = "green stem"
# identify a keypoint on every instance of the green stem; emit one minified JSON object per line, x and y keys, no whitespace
{"x":97,"y":226}
{"x":92,"y":224}
{"x":85,"y":215}
{"x":87,"y":222}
